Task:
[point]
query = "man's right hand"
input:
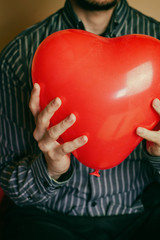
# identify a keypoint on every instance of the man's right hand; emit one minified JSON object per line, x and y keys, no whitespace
{"x":57,"y":155}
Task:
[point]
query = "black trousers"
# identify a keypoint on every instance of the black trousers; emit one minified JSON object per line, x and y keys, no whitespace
{"x":27,"y":223}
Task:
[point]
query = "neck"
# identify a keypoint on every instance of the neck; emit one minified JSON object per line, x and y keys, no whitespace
{"x":94,"y":21}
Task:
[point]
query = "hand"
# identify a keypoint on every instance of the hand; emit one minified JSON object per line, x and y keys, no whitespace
{"x":57,"y":156}
{"x":153,"y":137}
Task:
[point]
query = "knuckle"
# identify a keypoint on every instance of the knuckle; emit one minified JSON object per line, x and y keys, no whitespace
{"x":73,"y":145}
{"x":42,"y":146}
{"x":79,"y":142}
{"x":40,"y":119}
{"x":35,"y":134}
{"x":76,"y":144}
{"x":63,"y":125}
{"x":53,"y":133}
{"x":64,"y":149}
{"x":49,"y":108}
{"x":31,"y":105}
{"x":52,"y":107}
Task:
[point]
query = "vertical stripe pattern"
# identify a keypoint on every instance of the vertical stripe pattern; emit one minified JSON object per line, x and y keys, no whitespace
{"x":23,"y":171}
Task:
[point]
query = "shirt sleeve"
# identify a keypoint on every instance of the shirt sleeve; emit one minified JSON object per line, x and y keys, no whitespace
{"x":153,"y":160}
{"x":23,"y":171}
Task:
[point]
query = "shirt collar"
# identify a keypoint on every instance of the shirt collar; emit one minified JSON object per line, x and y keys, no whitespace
{"x":118,"y":19}
{"x":120,"y":14}
{"x":70,"y":18}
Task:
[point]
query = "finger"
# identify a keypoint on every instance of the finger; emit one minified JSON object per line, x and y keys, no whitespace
{"x":153,"y":149}
{"x":34,"y":100}
{"x":149,"y":135}
{"x":47,"y":142}
{"x":44,"y":117}
{"x":71,"y":146}
{"x":156,"y":105}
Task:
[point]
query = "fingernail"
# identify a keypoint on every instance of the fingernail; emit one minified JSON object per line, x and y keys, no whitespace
{"x":36,"y":86}
{"x":84,"y":139}
{"x":71,"y":118}
{"x":57,"y":101}
{"x":156,"y":102}
{"x":139,"y":130}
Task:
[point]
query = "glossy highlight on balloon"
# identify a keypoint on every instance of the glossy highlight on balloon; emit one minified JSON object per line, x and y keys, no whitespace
{"x":109,"y":84}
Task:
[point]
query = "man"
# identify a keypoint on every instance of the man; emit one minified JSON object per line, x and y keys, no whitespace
{"x":54,"y":196}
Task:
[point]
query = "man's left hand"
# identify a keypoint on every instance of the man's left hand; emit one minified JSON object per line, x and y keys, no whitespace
{"x":153,"y":137}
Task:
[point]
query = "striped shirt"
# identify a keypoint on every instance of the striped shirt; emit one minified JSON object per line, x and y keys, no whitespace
{"x":23,"y":171}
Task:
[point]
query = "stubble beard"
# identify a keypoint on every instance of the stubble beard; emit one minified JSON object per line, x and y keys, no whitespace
{"x":93,"y":5}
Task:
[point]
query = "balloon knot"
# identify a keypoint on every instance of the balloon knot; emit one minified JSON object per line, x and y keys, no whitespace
{"x":95,"y":173}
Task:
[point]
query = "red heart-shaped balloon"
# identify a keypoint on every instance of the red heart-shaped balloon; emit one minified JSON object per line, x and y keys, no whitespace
{"x":108,"y":83}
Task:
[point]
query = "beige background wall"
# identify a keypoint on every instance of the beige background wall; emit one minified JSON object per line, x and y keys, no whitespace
{"x":16,"y":15}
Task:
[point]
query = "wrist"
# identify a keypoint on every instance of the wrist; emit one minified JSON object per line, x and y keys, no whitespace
{"x":57,"y":168}
{"x":64,"y":176}
{"x":55,"y":175}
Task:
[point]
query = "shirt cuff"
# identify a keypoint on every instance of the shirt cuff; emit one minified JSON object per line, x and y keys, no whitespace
{"x":44,"y":182}
{"x":154,"y":160}
{"x":64,"y":177}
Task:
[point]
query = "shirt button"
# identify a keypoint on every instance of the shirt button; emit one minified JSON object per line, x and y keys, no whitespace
{"x":93,"y":204}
